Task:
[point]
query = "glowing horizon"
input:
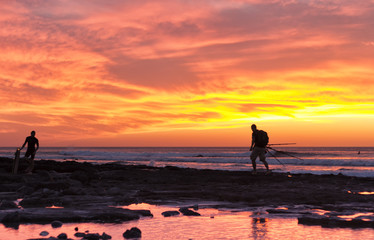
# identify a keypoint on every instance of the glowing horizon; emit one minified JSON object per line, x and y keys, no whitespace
{"x":186,"y":73}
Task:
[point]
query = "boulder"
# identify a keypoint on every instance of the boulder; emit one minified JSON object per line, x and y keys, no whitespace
{"x":12,"y":217}
{"x":187,"y":212}
{"x":44,"y":233}
{"x":114,"y":191}
{"x":170,"y":213}
{"x":105,"y":236}
{"x":62,"y":236}
{"x":6,"y":204}
{"x":132,"y":233}
{"x":79,"y":234}
{"x":81,"y":176}
{"x":36,"y":201}
{"x":333,"y":221}
{"x":92,"y":236}
{"x":56,"y":224}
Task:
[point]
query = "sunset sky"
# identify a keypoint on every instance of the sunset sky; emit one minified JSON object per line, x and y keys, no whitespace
{"x":186,"y":73}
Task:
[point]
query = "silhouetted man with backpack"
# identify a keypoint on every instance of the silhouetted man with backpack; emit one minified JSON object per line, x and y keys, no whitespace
{"x":258,"y":147}
{"x":32,"y":147}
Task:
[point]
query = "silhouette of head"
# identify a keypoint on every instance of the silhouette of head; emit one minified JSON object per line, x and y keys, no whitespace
{"x":33,"y":133}
{"x":254,"y":127}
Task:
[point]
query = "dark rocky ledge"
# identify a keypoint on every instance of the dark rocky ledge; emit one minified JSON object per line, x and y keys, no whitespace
{"x":87,"y":191}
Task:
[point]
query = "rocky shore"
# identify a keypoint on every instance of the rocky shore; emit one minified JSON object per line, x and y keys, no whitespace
{"x":82,"y":192}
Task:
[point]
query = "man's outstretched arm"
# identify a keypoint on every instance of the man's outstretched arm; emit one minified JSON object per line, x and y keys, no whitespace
{"x":24,"y":144}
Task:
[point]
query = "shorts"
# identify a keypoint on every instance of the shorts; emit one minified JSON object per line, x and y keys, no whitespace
{"x":258,"y":152}
{"x":30,"y":152}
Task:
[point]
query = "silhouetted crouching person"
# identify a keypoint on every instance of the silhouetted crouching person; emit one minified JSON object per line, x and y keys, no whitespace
{"x":258,"y":147}
{"x":31,"y":141}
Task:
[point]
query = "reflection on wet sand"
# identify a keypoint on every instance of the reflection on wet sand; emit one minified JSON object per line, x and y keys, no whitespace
{"x":259,"y":226}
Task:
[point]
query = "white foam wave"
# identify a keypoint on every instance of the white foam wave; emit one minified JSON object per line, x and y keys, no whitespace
{"x":204,"y":157}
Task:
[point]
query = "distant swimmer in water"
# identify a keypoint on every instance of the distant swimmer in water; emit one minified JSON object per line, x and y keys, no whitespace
{"x":258,"y":147}
{"x":32,"y":147}
{"x":359,"y":152}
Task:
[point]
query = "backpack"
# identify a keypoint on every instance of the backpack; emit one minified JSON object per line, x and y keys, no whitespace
{"x":261,"y":139}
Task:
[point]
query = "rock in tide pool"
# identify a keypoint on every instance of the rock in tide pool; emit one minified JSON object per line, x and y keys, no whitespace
{"x":11,"y":220}
{"x":56,"y":224}
{"x":132,"y":233}
{"x":92,"y":236}
{"x":79,"y":234}
{"x":187,"y":212}
{"x":44,"y":233}
{"x":62,"y":236}
{"x":333,"y":221}
{"x":170,"y":213}
{"x":105,"y":236}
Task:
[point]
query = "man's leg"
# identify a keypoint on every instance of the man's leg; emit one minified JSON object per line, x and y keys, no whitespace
{"x":29,"y":156}
{"x":31,"y":166}
{"x":254,"y":164}
{"x":253,"y":157}
{"x":263,"y":159}
{"x":26,"y":157}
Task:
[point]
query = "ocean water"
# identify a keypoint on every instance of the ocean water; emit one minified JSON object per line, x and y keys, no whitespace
{"x":214,"y":223}
{"x":350,"y":161}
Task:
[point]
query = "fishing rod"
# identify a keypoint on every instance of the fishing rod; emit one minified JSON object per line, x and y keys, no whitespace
{"x":285,"y":153}
{"x":276,"y":158}
{"x":281,"y":144}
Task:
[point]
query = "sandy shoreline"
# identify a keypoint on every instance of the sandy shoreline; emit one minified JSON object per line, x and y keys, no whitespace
{"x":85,"y":192}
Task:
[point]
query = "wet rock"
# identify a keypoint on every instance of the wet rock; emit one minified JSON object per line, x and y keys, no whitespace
{"x":62,"y":236}
{"x":114,"y":191}
{"x":50,"y":238}
{"x":145,"y":193}
{"x":13,"y":225}
{"x":118,"y":215}
{"x":26,"y":190}
{"x":87,"y":214}
{"x":118,"y":175}
{"x":11,"y":220}
{"x":12,"y":217}
{"x":80,"y":176}
{"x":55,"y":186}
{"x":170,"y":213}
{"x":132,"y":233}
{"x":75,"y":190}
{"x":35,"y":202}
{"x":6,"y":204}
{"x":56,"y":224}
{"x":187,"y":212}
{"x":332,"y":221}
{"x":44,"y":233}
{"x":92,"y":236}
{"x":79,"y":234}
{"x":105,"y":236}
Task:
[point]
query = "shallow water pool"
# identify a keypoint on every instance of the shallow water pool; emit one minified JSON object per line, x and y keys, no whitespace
{"x":212,"y":224}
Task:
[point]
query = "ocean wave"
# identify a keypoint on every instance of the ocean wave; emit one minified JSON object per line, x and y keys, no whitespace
{"x":211,"y":157}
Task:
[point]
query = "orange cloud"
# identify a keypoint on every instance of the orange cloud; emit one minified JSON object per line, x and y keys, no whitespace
{"x":111,"y":72}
